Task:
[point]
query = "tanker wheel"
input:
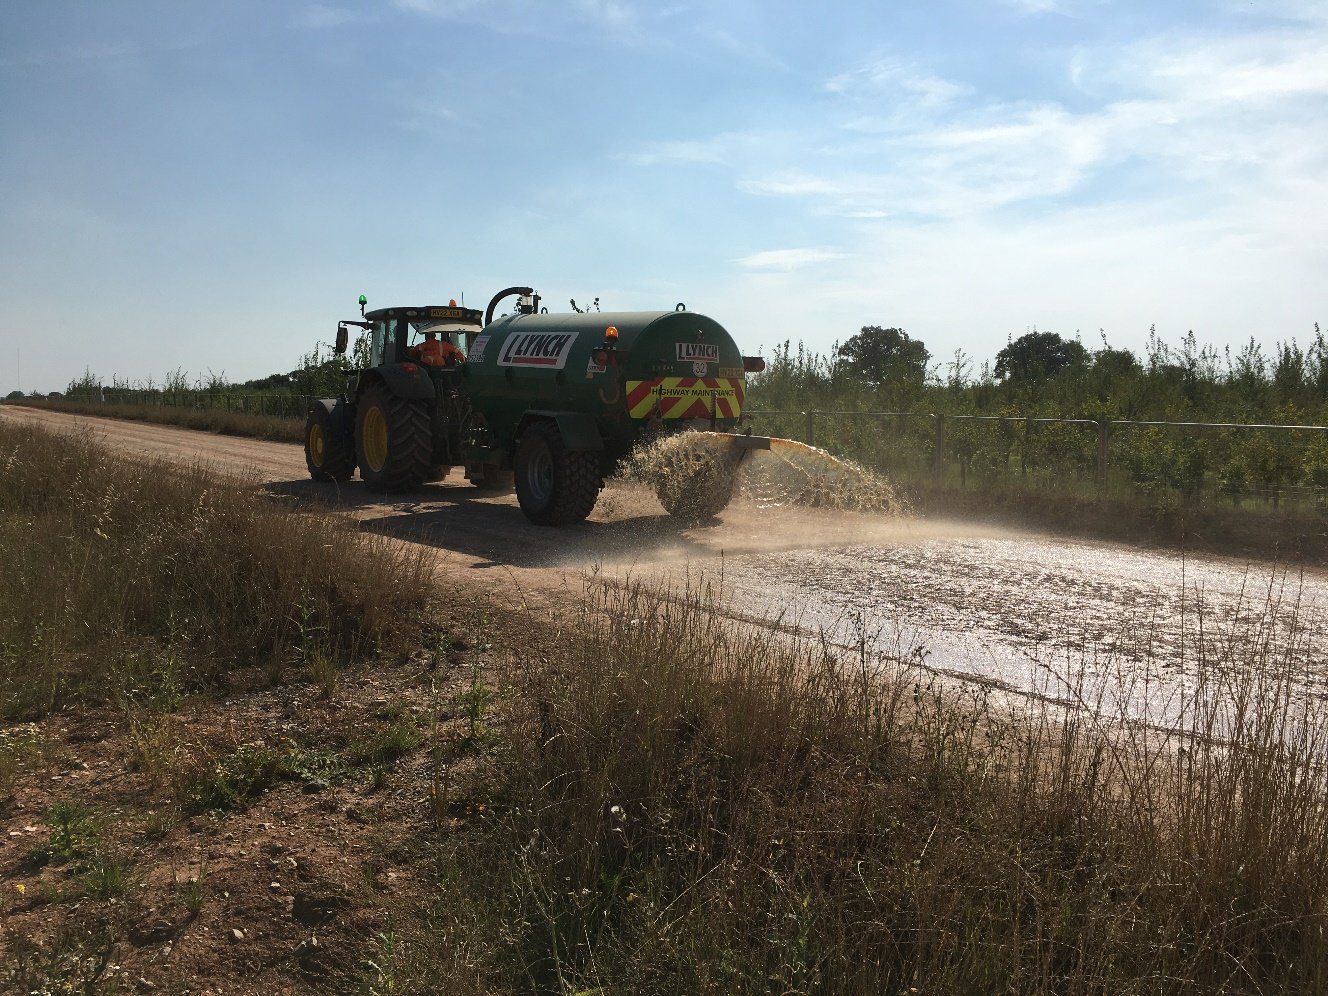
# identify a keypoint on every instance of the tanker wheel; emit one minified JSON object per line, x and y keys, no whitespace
{"x":698,"y":492}
{"x":329,"y":443}
{"x":554,"y":486}
{"x":393,"y":441}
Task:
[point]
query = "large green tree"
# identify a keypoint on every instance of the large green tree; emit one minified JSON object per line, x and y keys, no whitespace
{"x":1039,"y":355}
{"x":883,"y":356}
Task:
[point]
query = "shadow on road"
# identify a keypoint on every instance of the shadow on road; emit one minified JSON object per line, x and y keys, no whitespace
{"x":493,"y":529}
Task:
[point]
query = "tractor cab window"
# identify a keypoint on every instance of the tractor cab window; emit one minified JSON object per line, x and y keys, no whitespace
{"x":387,"y":341}
{"x":377,"y":342}
{"x":417,"y":330}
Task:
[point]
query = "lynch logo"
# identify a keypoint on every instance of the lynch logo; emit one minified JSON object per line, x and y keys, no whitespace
{"x":537,"y":349}
{"x":698,"y":352}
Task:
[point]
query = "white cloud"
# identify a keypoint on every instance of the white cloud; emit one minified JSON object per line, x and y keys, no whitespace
{"x":625,"y":20}
{"x":1189,"y":188}
{"x":967,"y":283}
{"x":1187,"y":118}
{"x":1029,"y":7}
{"x":785,"y":260}
{"x":82,"y":52}
{"x":904,"y":83}
{"x":320,"y":16}
{"x":445,"y":8}
{"x":715,"y":150}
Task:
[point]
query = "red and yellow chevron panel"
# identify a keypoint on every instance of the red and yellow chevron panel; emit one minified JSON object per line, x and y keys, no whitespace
{"x":686,"y":397}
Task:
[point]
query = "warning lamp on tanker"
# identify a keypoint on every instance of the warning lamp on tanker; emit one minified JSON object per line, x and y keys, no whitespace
{"x":606,"y":353}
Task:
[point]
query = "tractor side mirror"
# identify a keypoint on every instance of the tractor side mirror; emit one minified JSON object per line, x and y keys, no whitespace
{"x":343,"y":336}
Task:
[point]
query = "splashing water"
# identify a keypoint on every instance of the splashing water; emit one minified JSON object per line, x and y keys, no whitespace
{"x":793,"y":473}
{"x":698,"y":472}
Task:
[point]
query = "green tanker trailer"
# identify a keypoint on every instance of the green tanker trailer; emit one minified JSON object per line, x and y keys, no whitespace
{"x":549,"y":403}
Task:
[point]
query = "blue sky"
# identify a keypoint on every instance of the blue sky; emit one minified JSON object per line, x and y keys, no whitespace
{"x":210,"y":186}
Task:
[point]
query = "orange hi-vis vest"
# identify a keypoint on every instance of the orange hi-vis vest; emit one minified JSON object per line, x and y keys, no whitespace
{"x":438,"y":353}
{"x":431,"y":352}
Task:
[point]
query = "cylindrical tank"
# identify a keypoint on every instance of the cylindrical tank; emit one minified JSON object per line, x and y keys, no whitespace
{"x":661,"y":367}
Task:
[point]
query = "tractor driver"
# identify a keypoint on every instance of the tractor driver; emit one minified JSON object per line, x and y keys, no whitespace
{"x":436,"y":352}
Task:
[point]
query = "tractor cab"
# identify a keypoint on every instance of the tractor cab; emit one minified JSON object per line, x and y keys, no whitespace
{"x":398,"y":332}
{"x":395,"y":332}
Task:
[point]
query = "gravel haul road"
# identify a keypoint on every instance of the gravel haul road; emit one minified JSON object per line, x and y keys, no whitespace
{"x":1023,"y":614}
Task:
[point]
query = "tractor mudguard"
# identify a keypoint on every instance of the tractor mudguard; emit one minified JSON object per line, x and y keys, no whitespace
{"x":578,"y":429}
{"x":341,"y":417}
{"x":412,"y":386}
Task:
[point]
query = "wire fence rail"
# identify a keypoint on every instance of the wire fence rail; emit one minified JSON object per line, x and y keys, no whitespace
{"x":276,"y":405}
{"x":1232,"y":461}
{"x":1229,"y":461}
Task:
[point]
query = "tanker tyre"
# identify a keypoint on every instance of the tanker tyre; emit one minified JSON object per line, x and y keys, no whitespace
{"x":555,"y":486}
{"x":393,"y":441}
{"x":329,"y":442}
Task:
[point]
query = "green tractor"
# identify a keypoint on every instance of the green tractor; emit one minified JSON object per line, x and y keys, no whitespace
{"x":547,"y":403}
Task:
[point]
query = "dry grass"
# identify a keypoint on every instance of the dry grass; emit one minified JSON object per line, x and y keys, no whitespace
{"x":139,"y":580}
{"x":269,"y":427}
{"x":699,"y":806}
{"x":657,"y":799}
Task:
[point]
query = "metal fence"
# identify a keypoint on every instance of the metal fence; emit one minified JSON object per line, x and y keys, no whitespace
{"x":276,"y":405}
{"x":1236,"y":462}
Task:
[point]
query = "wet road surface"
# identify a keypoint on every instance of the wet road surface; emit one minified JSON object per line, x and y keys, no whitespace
{"x":1108,"y":625}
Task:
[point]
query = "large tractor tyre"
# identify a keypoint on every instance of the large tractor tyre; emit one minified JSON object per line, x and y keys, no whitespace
{"x":554,"y":486}
{"x":329,"y":442}
{"x":393,"y":441}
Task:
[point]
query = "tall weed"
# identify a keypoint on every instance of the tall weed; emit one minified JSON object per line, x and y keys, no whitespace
{"x":699,"y":805}
{"x":135,"y":579}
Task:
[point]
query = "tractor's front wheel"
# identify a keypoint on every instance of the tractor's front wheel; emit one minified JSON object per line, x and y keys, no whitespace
{"x":555,"y":486}
{"x":393,"y":441}
{"x":329,"y":441}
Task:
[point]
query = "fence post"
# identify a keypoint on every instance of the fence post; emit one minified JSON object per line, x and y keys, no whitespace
{"x":1102,"y":435}
{"x":939,"y":456}
{"x":1023,"y":450}
{"x":810,"y":429}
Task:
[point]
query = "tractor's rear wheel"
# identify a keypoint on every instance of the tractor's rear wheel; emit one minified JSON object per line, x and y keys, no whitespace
{"x":329,"y":441}
{"x":555,"y":486}
{"x":393,"y":441}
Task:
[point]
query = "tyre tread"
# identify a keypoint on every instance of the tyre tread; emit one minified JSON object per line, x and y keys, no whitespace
{"x":410,"y":444}
{"x":338,"y":442}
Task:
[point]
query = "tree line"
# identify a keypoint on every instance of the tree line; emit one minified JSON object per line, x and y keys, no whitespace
{"x":1045,"y":375}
